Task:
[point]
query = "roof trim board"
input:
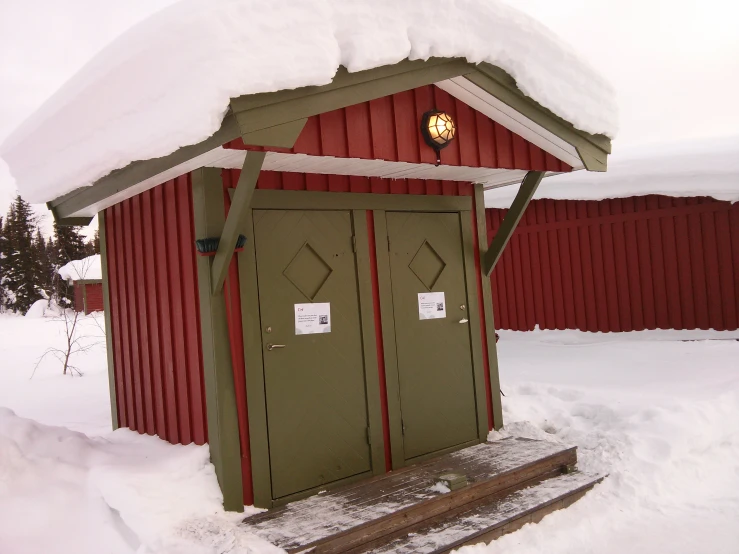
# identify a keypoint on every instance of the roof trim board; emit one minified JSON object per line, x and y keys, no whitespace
{"x":593,"y":149}
{"x":468,"y":92}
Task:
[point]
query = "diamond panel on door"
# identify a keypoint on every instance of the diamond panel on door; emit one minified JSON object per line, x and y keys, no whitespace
{"x":308,"y":271}
{"x":427,"y":265}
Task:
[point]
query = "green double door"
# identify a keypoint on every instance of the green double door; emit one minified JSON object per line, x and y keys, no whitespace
{"x":433,"y":342}
{"x":315,"y":379}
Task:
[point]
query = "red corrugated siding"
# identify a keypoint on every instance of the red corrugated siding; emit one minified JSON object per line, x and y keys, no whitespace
{"x":388,"y":128}
{"x":650,"y":262}
{"x":155,"y":320}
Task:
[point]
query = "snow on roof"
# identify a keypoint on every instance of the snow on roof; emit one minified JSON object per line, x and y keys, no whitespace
{"x":167,"y":82}
{"x":86,"y":268}
{"x":693,"y":168}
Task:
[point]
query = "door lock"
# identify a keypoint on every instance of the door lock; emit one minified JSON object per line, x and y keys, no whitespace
{"x":273,"y":346}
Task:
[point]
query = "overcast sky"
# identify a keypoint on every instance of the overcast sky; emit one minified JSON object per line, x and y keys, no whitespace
{"x":674,"y":63}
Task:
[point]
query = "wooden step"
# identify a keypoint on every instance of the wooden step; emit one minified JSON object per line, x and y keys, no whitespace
{"x":488,"y":521}
{"x":388,"y":506}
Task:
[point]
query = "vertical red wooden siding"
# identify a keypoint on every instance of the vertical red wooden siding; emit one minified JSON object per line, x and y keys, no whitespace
{"x":388,"y":128}
{"x":93,"y":299}
{"x":79,"y":297}
{"x":624,"y":264}
{"x":154,"y":313}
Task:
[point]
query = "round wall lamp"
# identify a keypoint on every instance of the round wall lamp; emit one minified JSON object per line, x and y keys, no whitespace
{"x":438,"y":130}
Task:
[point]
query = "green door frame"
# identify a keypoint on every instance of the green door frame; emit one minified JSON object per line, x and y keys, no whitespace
{"x":487,"y":295}
{"x":359,"y":204}
{"x":209,"y":214}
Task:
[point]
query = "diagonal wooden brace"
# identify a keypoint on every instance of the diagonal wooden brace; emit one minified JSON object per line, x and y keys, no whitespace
{"x":528,"y":187}
{"x":236,"y":217}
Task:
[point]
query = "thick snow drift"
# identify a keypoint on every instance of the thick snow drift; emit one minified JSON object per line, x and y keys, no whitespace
{"x":693,"y":168}
{"x":86,"y":268}
{"x":120,"y":494}
{"x":167,"y":82}
{"x":69,"y":485}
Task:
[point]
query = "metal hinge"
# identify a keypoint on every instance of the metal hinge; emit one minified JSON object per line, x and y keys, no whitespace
{"x":369,"y":436}
{"x":402,"y":426}
{"x":388,"y":244}
{"x":354,"y":244}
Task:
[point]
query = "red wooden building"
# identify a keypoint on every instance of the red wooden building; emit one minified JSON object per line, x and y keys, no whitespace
{"x":85,"y":278}
{"x":652,"y":244}
{"x":88,"y":296}
{"x":306,"y":289}
{"x":368,"y":149}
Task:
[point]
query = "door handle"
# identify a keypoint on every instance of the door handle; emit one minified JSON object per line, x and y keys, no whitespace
{"x":273,"y":346}
{"x":464,"y":320}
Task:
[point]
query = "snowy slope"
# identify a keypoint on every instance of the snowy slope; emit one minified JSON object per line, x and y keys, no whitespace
{"x":658,"y":414}
{"x":86,"y":268}
{"x":167,"y":82}
{"x":692,"y":168}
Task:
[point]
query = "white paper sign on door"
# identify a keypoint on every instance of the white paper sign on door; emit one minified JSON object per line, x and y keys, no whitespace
{"x":312,"y":318}
{"x":431,"y":305}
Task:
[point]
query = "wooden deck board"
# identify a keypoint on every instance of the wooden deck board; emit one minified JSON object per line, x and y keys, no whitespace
{"x":308,"y":521}
{"x":479,"y":524}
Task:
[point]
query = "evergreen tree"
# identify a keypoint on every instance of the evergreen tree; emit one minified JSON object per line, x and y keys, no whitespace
{"x":44,"y":266}
{"x":21,"y":267}
{"x":96,"y":242}
{"x":3,"y":296}
{"x":68,"y":244}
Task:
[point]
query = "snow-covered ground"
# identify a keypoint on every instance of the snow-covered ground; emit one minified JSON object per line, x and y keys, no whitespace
{"x":658,"y":411}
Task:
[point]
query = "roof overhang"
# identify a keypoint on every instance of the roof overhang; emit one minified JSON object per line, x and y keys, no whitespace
{"x":276,"y":119}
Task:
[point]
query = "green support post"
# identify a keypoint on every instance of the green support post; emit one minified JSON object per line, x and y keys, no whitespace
{"x":236,"y":216}
{"x":487,"y":296}
{"x":108,"y":323}
{"x":528,"y":187}
{"x":220,"y":394}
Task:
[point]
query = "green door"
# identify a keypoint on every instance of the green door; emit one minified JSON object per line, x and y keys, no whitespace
{"x":314,"y":380}
{"x":432,"y":332}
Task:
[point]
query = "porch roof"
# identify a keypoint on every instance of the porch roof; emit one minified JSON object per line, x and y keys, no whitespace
{"x":183,"y":64}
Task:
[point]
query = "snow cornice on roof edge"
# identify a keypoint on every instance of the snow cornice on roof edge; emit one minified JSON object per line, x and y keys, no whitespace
{"x":688,"y":168}
{"x":166,"y":83}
